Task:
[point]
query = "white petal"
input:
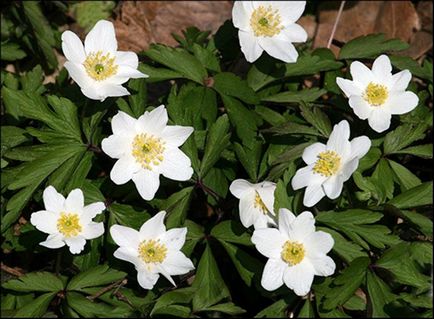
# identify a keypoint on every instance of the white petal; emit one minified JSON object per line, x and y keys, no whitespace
{"x":349,"y":87}
{"x":123,"y":124}
{"x":116,"y":146}
{"x":174,"y":238}
{"x":155,"y":121}
{"x":241,"y":12}
{"x":125,"y":236}
{"x":124,"y":73}
{"x":382,"y":68}
{"x":279,"y":49}
{"x":147,"y":183}
{"x":146,"y":279}
{"x":154,"y":227}
{"x":78,"y":74}
{"x":286,"y":218}
{"x":53,"y":241}
{"x":305,"y":176}
{"x":249,"y":46}
{"x":323,"y":266}
{"x":299,"y":278}
{"x":53,"y":201}
{"x":75,"y":201}
{"x":400,"y":80}
{"x":176,"y":135}
{"x":313,"y":195}
{"x":360,"y":107}
{"x":293,"y":33}
{"x":127,"y":58}
{"x":102,"y":37}
{"x":379,"y":120}
{"x":333,"y":186}
{"x":130,"y":255}
{"x":124,"y":170}
{"x":176,"y":165}
{"x":162,"y":270}
{"x":72,"y":47}
{"x":45,"y":221}
{"x":302,"y":226}
{"x":93,"y":230}
{"x":239,"y":186}
{"x":266,"y":193}
{"x":360,"y":146}
{"x":403,"y":102}
{"x":338,"y":140}
{"x":264,"y":221}
{"x":361,"y":73}
{"x":289,"y":11}
{"x":268,"y":242}
{"x":176,"y":263}
{"x":318,"y":244}
{"x":272,"y":276}
{"x":310,"y":153}
{"x":248,"y":213}
{"x":76,"y":244}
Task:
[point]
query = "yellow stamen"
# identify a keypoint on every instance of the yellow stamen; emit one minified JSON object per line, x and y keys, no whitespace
{"x":293,"y":252}
{"x":328,"y":163}
{"x":260,"y":204}
{"x":265,"y":22}
{"x":68,"y":224}
{"x":376,"y":94}
{"x":99,"y":67}
{"x":151,"y":251}
{"x":148,"y":150}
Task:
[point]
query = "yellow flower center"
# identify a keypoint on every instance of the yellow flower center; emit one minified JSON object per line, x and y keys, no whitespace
{"x":99,"y":67}
{"x":260,"y":204}
{"x":327,"y":164}
{"x":68,"y":224}
{"x":151,"y":251}
{"x":293,"y":252}
{"x":375,"y":94}
{"x":148,"y":150}
{"x":265,"y":22}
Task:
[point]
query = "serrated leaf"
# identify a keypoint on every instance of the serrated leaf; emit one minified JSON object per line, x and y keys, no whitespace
{"x":176,"y":206}
{"x":36,"y":308}
{"x":206,"y":57}
{"x":424,"y":151}
{"x":158,"y":74}
{"x":249,"y":157}
{"x":417,"y":196}
{"x":306,"y":95}
{"x":231,"y":231}
{"x":127,"y":215}
{"x":407,"y":63}
{"x":404,"y":176}
{"x":179,"y":296}
{"x":35,"y":281}
{"x":379,"y":294}
{"x":228,"y":84}
{"x":12,"y":52}
{"x":307,"y":310}
{"x":97,"y":276}
{"x":317,"y":118}
{"x":228,"y":308}
{"x":12,"y":136}
{"x":402,"y":136}
{"x":277,"y":309}
{"x":370,"y":159}
{"x":382,"y":178}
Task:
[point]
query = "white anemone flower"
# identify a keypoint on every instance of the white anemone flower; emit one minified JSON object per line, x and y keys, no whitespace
{"x":98,"y":67}
{"x":145,"y":148}
{"x":377,"y":94}
{"x":152,"y":250}
{"x":329,"y":166}
{"x":296,"y":252}
{"x":67,"y":221}
{"x":269,"y":26}
{"x":256,"y":202}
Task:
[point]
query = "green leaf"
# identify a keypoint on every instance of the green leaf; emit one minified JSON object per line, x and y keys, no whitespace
{"x":207,"y":57}
{"x":270,"y":116}
{"x":158,"y":74}
{"x":370,"y":159}
{"x":177,"y":206}
{"x":127,"y":215}
{"x":228,"y":84}
{"x":277,"y":309}
{"x":355,"y":303}
{"x":32,"y":80}
{"x":307,"y":310}
{"x":370,"y":46}
{"x":209,"y":284}
{"x":407,"y":63}
{"x":346,"y":283}
{"x":97,"y":276}
{"x":417,"y":196}
{"x":424,"y":151}
{"x":195,"y":234}
{"x":88,"y":13}
{"x":181,"y":296}
{"x":422,"y":301}
{"x":12,"y":52}
{"x":292,"y":129}
{"x":383,"y":179}
{"x":317,"y":118}
{"x":403,"y":136}
{"x":404,"y":176}
{"x":179,"y":60}
{"x":35,"y":281}
{"x":231,"y":231}
{"x":137,"y":99}
{"x":12,"y":136}
{"x":379,"y":294}
{"x":306,"y":95}
{"x":36,"y":308}
{"x":423,"y":223}
{"x":249,"y":157}
{"x":229,"y":308}
{"x":91,"y":309}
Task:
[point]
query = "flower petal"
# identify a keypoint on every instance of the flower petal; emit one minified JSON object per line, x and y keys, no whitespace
{"x":323,"y":266}
{"x":403,"y":102}
{"x":266,"y":193}
{"x":154,"y":227}
{"x":174,"y":238}
{"x":78,"y":74}
{"x":45,"y":221}
{"x":333,"y":186}
{"x":147,"y":183}
{"x":93,"y":230}
{"x":272,"y":276}
{"x":176,"y":135}
{"x":75,"y":201}
{"x":176,"y":165}
{"x":382,"y":69}
{"x":299,"y":278}
{"x":72,"y":47}
{"x":289,"y":11}
{"x":310,"y":153}
{"x":305,"y":176}
{"x":155,"y":121}
{"x":125,"y":236}
{"x":124,"y":170}
{"x":268,"y":242}
{"x":286,"y":218}
{"x":102,"y":37}
{"x":76,"y":244}
{"x":361,"y":73}
{"x":53,"y":201}
{"x":279,"y":49}
{"x":338,"y":140}
{"x":360,"y":146}
{"x":400,"y":80}
{"x":241,"y":12}
{"x":313,"y":195}
{"x":116,"y":146}
{"x":128,"y":254}
{"x":264,"y":221}
{"x":293,"y":33}
{"x":318,"y":243}
{"x":90,"y":211}
{"x":127,"y":58}
{"x":125,"y":73}
{"x":249,"y":46}
{"x":146,"y":279}
{"x":239,"y":186}
{"x":379,"y":120}
{"x":123,"y":124}
{"x":248,"y":213}
{"x":302,"y":226}
{"x":349,"y":87}
{"x":53,"y":241}
{"x":360,"y":107}
{"x":176,"y":263}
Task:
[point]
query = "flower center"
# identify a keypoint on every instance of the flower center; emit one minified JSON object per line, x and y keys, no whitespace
{"x":292,"y":252}
{"x":265,"y":22}
{"x":99,"y":67}
{"x":260,"y":204}
{"x":151,"y":251}
{"x":148,"y":150}
{"x":327,"y":164}
{"x":375,"y":94}
{"x":68,"y":224}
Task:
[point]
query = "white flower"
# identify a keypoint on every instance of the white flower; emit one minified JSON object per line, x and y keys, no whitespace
{"x":147,"y":147}
{"x":269,"y":26}
{"x":98,"y":68}
{"x":296,"y":252}
{"x":256,"y":202}
{"x":67,"y":221}
{"x":376,"y":95}
{"x":152,"y":250}
{"x":329,"y":166}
